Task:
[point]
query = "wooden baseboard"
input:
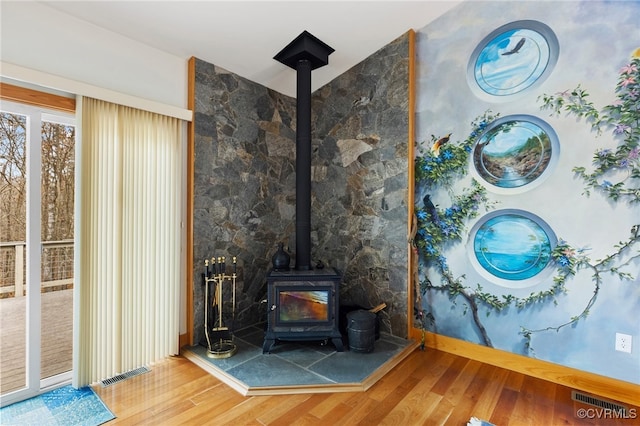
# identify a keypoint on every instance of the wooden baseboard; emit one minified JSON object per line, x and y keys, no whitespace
{"x":603,"y":386}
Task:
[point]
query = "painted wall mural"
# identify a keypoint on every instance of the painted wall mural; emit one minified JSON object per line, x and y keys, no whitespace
{"x":528,"y":180}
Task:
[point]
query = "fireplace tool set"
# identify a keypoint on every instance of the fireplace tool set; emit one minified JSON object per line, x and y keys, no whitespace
{"x":219,"y":336}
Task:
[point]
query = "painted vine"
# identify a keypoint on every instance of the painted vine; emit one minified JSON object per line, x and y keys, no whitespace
{"x":439,"y":228}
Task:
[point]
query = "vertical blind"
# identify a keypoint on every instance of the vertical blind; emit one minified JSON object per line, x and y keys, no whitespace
{"x":128,"y":240}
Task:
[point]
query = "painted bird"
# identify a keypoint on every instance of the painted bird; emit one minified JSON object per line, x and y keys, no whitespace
{"x":436,"y":146}
{"x":516,"y":49}
{"x":430,"y":207}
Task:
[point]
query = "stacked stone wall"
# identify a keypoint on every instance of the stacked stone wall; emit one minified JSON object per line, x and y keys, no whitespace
{"x":244,"y":182}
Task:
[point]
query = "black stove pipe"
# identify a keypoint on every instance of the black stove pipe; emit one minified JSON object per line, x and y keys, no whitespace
{"x":304,"y":54}
{"x":303,"y":165}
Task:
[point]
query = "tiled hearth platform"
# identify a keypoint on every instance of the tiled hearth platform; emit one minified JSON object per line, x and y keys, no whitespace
{"x":300,"y":367}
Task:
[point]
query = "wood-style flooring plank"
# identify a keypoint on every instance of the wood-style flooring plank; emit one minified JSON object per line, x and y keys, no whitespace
{"x":453,"y":370}
{"x":441,"y":414}
{"x":428,"y":388}
{"x":249,"y":410}
{"x":292,"y":416}
{"x":159,"y":385}
{"x":536,"y":401}
{"x":503,"y":411}
{"x":564,"y":410}
{"x":417,"y":403}
{"x":356,"y":414}
{"x":273,"y":413}
{"x":329,"y":404}
{"x":475,"y":389}
{"x":416,"y":408}
{"x":229,"y":402}
{"x":307,"y":420}
{"x":453,"y":385}
{"x":490,"y":395}
{"x":388,"y":383}
{"x":384,"y":407}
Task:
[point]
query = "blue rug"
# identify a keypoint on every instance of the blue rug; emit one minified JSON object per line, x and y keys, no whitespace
{"x":474,"y":421}
{"x":63,"y":406}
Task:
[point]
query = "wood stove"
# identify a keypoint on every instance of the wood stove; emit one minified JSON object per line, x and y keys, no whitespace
{"x":303,"y":306}
{"x":303,"y":303}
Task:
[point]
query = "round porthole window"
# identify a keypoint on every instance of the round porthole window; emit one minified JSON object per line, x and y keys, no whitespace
{"x":512,"y":247}
{"x":514,"y":152}
{"x":512,"y":58}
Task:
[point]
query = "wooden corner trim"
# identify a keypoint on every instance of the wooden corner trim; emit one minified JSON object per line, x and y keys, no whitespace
{"x":191,"y":77}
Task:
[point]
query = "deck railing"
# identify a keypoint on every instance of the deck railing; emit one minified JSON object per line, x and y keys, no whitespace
{"x":56,"y":267}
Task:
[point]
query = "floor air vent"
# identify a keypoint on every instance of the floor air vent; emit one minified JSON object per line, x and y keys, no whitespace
{"x":124,"y":376}
{"x":597,"y":402}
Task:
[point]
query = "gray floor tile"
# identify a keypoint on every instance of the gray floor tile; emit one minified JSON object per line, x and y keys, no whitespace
{"x":274,"y":371}
{"x":301,"y":363}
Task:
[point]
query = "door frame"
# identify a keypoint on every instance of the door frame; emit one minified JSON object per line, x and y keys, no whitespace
{"x":38,"y":107}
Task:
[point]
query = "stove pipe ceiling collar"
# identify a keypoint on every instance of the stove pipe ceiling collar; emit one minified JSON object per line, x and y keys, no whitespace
{"x":304,"y":54}
{"x":305,"y":47}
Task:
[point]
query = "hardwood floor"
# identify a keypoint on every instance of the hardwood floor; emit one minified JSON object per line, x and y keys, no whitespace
{"x":430,"y":388}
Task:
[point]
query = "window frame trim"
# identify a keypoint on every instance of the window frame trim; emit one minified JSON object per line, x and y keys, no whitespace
{"x":37,"y":98}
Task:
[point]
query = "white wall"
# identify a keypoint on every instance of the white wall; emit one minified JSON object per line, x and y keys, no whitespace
{"x":37,"y":37}
{"x":46,"y":48}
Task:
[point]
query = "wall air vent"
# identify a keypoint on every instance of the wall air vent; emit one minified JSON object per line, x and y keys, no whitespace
{"x":598,"y":402}
{"x":124,"y":376}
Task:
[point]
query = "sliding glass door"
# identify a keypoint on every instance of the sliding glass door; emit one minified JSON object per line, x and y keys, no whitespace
{"x":36,"y":253}
{"x":13,"y":306}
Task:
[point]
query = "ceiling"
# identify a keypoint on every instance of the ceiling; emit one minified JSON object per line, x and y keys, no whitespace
{"x":244,"y":36}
